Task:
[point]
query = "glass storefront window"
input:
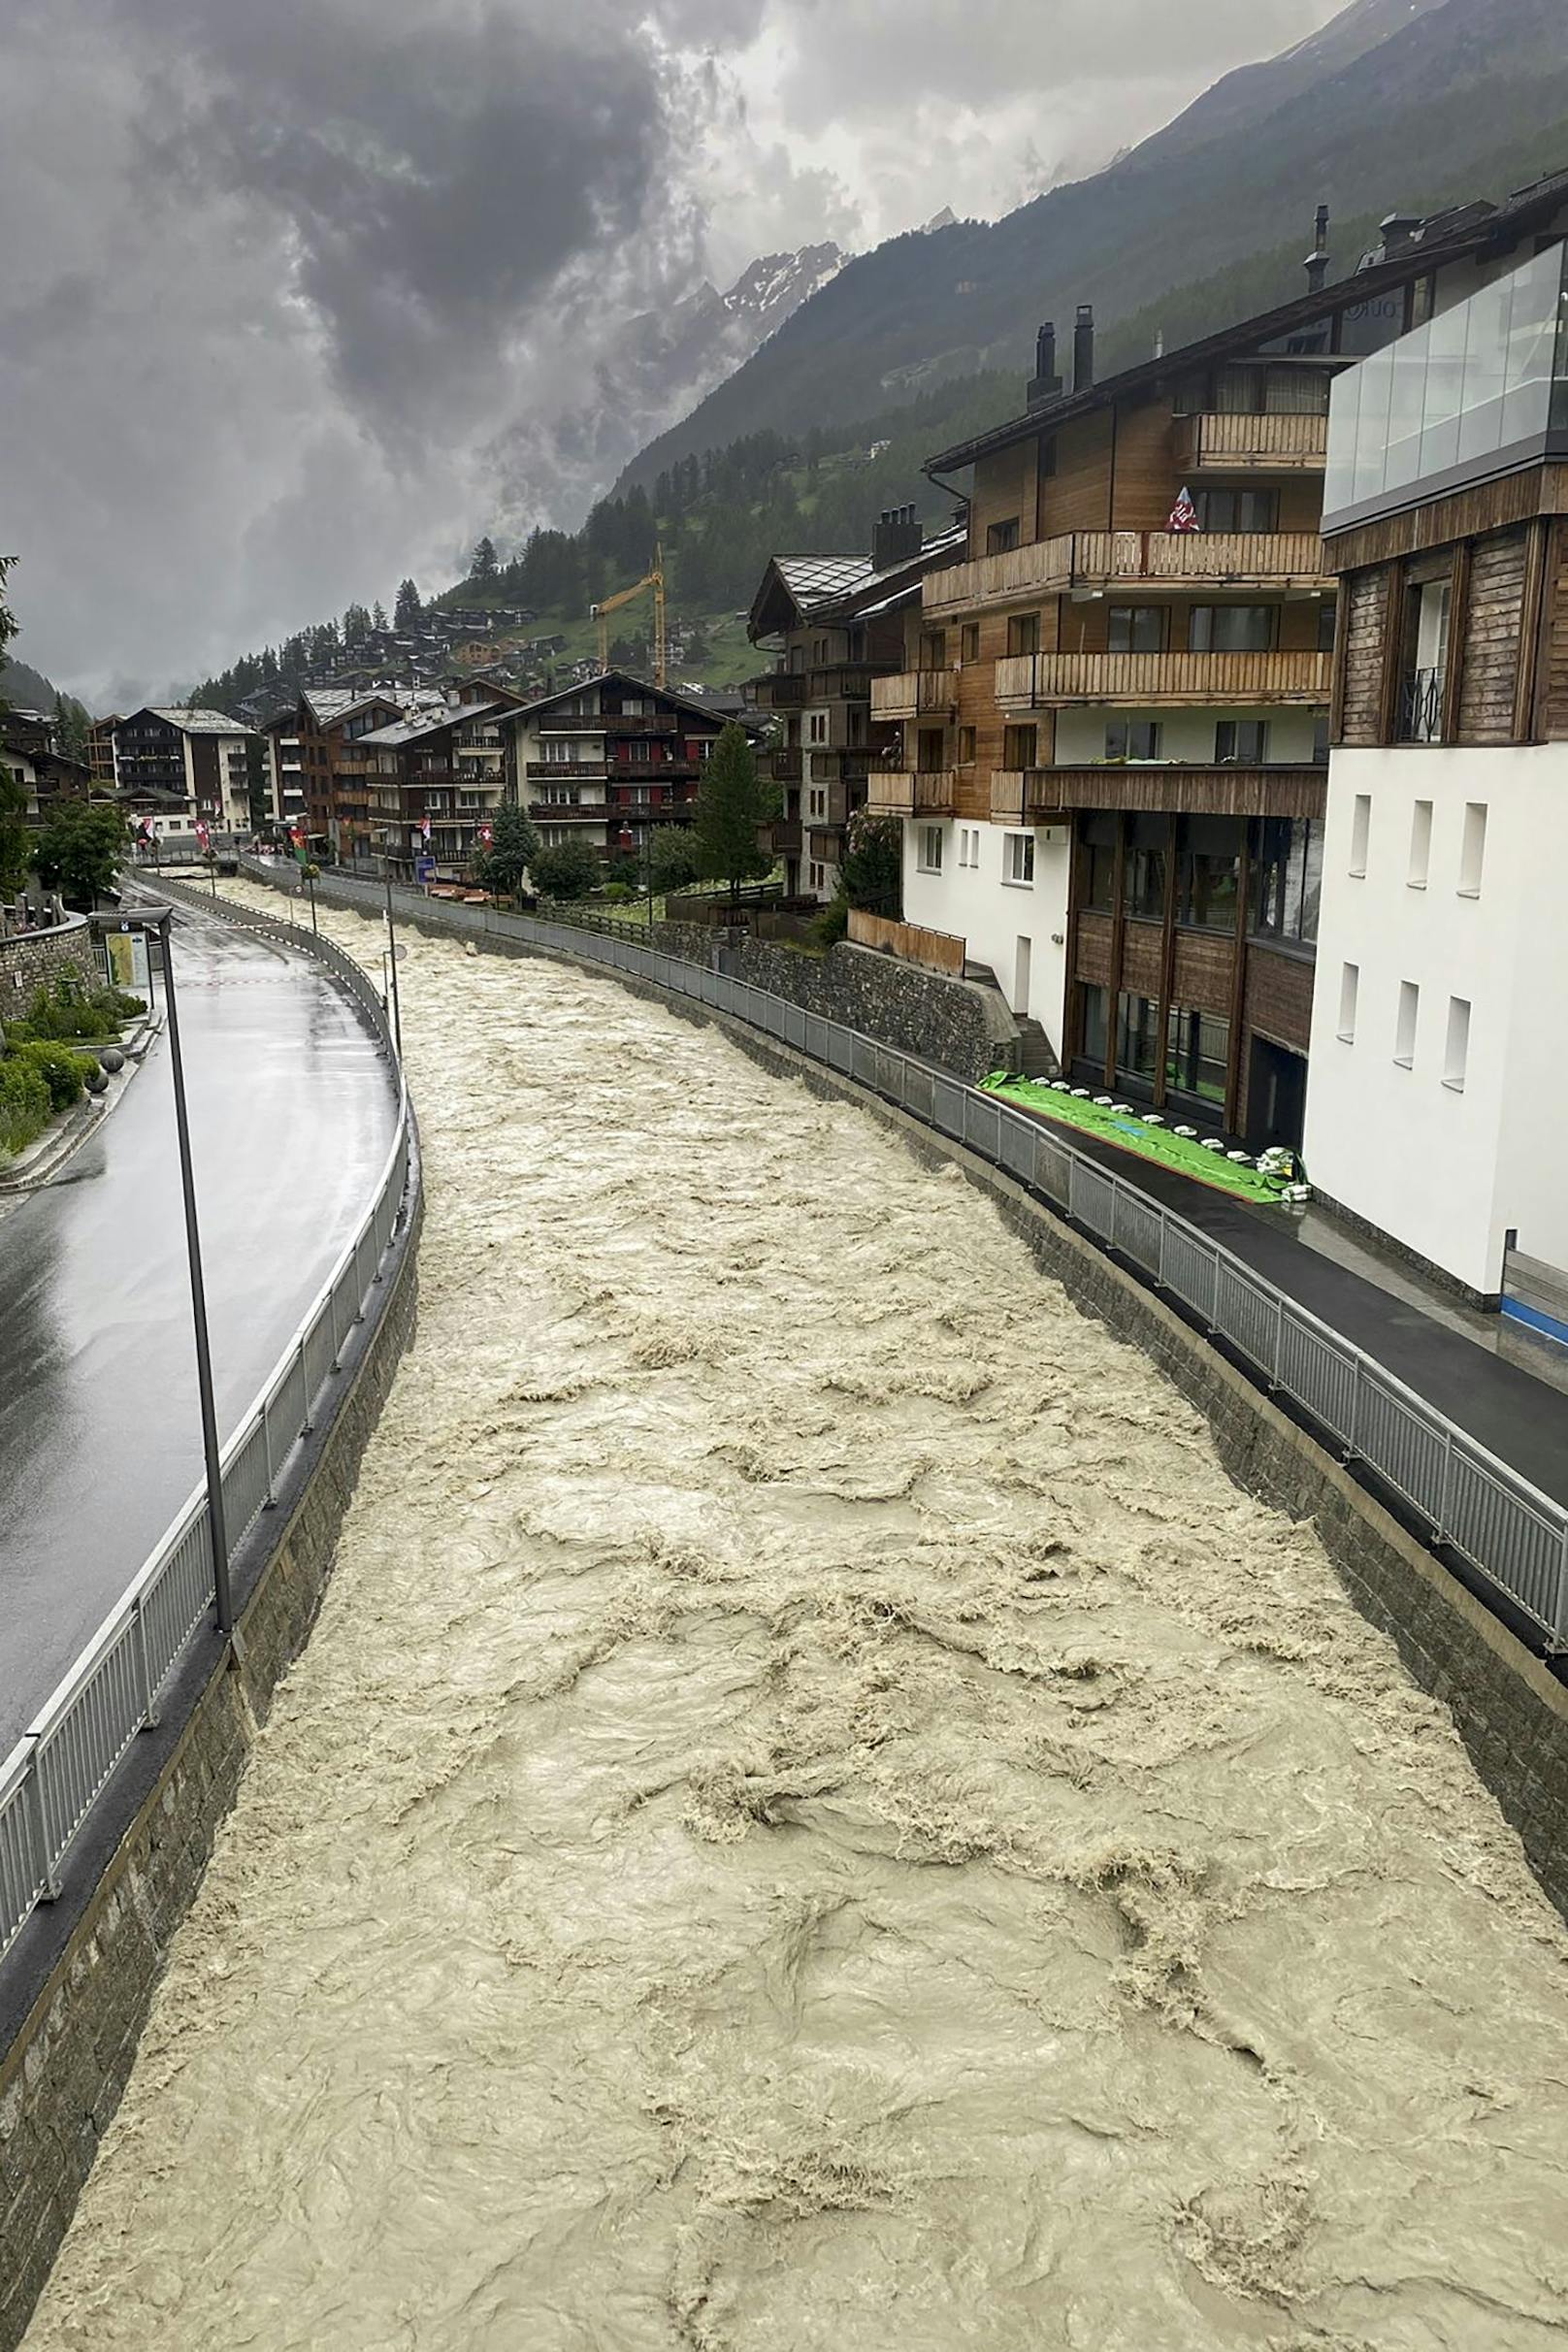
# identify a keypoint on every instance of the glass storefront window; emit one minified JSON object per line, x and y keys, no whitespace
{"x":1094,"y":1013}
{"x":1098,"y":842}
{"x":1146,"y":867}
{"x":1208,"y":871}
{"x":1287,"y":878}
{"x":1137,"y":1036}
{"x":1197,"y":1054}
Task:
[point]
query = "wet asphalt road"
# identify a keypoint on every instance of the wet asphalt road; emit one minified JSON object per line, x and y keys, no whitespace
{"x":291,"y":1116}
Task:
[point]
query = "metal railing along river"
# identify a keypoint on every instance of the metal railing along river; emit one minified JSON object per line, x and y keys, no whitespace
{"x":66,"y":1759}
{"x":1513,"y":1536}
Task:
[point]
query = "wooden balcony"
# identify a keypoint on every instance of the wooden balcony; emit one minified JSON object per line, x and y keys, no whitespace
{"x":1026,"y":796}
{"x":1213,"y":443}
{"x":781,"y":838}
{"x":567,"y":812}
{"x":643,"y":723}
{"x":912,"y":694}
{"x":782,"y":763}
{"x":1282,"y":790}
{"x":826,"y":843}
{"x":543,"y":770}
{"x":778,"y":689}
{"x":921,"y":793}
{"x":1111,"y":559}
{"x":1149,"y":681}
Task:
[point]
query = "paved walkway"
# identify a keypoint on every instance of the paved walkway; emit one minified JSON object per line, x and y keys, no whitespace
{"x":1519,"y":1416}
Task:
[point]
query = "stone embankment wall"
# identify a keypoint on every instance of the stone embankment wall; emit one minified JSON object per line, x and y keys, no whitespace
{"x":32,"y":960}
{"x":71,"y":2048}
{"x":961,"y":1027}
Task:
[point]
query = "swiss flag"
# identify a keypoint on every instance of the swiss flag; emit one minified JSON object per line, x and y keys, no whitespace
{"x":202,"y":835}
{"x":487,"y":834}
{"x":1184,"y":514}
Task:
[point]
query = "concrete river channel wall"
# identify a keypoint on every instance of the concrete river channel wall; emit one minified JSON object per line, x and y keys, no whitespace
{"x":838,"y":1795}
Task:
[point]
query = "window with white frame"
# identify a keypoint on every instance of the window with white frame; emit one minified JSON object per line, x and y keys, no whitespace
{"x":1473,"y":851}
{"x":1456,"y":1044}
{"x":1350,"y":982}
{"x":930,"y":849}
{"x":817,"y":727}
{"x":1018,"y":860}
{"x":1404,"y":1040}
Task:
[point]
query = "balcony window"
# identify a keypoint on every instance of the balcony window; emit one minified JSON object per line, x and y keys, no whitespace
{"x":1423,"y":686}
{"x":1208,"y":872}
{"x":969,"y":642}
{"x":1018,"y":860}
{"x":1197,"y":1054}
{"x":1148,"y":850}
{"x":930,"y":859}
{"x":1238,"y":509}
{"x":1287,"y":878}
{"x":1241,"y":742}
{"x":1020,"y":747}
{"x":1003,"y":538}
{"x":1096,"y":837}
{"x":1135,"y":629}
{"x":1137,"y":1036}
{"x":1024,"y":634}
{"x":966,"y":746}
{"x":1232,"y":628}
{"x":1133,"y":739}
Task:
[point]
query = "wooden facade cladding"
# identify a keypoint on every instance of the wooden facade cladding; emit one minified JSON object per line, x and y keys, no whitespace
{"x":1278,"y":996}
{"x":1200,"y":792}
{"x":1366,"y":616}
{"x":1489,"y":643}
{"x":1026,"y":796}
{"x":1137,"y":559}
{"x":1240,"y":444}
{"x":1551,"y":685}
{"x":1162,"y":681}
{"x":927,"y":793}
{"x":1496,"y":505}
{"x":1094,"y":960}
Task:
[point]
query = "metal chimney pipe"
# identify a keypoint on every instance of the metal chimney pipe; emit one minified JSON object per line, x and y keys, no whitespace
{"x":1318,"y":258}
{"x":1083,"y":347}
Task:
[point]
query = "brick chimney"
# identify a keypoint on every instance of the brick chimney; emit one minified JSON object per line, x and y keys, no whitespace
{"x":1045,"y":383}
{"x":896,"y":536}
{"x":1082,"y":349}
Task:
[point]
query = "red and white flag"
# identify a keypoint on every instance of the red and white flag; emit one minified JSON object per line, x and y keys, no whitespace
{"x":202,"y":835}
{"x":1184,"y":514}
{"x":487,"y":834}
{"x":424,"y":827}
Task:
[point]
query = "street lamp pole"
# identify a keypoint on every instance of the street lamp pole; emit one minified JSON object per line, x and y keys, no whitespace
{"x":160,"y":920}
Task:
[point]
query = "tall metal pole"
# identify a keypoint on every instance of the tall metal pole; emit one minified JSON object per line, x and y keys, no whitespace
{"x":198,"y":1301}
{"x":392,"y":943}
{"x":309,"y":884}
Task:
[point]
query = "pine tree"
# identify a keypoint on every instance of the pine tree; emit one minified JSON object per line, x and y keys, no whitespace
{"x":483,"y":564}
{"x":732,"y":804}
{"x":406,"y":611}
{"x":513,"y":847}
{"x":378,"y":618}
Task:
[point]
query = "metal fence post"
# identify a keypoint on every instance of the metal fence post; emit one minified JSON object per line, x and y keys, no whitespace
{"x":271,"y":1499}
{"x":307,"y":1423}
{"x":44,"y":1860}
{"x":1352,"y":1443}
{"x":1559,"y":1608}
{"x":1438,"y":1532}
{"x":1279,"y":1342}
{"x":149,"y":1703}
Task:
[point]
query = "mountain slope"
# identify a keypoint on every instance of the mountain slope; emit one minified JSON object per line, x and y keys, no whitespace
{"x":1394,"y":104}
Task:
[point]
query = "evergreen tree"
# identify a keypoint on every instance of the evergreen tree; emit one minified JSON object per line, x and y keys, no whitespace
{"x":871,"y":874}
{"x":732,"y":804}
{"x":514,"y":846}
{"x":378,"y":618}
{"x":483,"y":564}
{"x":406,"y":611}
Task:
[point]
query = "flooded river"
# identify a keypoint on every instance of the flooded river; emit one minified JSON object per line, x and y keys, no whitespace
{"x":815,"y":1815}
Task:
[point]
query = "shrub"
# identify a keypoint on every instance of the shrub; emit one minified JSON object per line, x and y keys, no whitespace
{"x":570,"y":871}
{"x":72,"y":1009}
{"x":24,"y":1103}
{"x":620,"y":894}
{"x":64,"y":1073}
{"x":832,"y":925}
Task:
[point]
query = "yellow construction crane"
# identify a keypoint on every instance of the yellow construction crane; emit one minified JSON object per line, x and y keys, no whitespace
{"x":655,"y":580}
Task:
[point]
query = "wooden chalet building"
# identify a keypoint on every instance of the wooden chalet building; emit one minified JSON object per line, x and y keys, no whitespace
{"x":608,"y":759}
{"x":440,"y":763}
{"x":176,"y":767}
{"x":835,"y":623}
{"x":33,"y":749}
{"x":1116,"y":731}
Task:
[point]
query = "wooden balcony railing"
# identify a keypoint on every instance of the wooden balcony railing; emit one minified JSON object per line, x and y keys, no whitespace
{"x":912,"y":694}
{"x":1244,"y":444}
{"x":546,"y":769}
{"x":1034,"y":681}
{"x":921,"y":793}
{"x":1294,"y":789}
{"x":563,"y":812}
{"x":781,"y":838}
{"x":640,"y":723}
{"x":777,"y":689}
{"x":1025,"y":795}
{"x":1109,"y":559}
{"x":783,"y":764}
{"x":890,"y":791}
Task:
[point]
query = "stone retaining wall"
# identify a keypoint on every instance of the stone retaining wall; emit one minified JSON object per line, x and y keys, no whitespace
{"x":31,"y":959}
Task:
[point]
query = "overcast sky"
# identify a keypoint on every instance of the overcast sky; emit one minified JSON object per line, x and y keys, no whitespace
{"x":279,"y":276}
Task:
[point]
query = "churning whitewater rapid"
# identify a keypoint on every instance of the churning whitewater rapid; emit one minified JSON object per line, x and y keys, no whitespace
{"x":814,"y":1815}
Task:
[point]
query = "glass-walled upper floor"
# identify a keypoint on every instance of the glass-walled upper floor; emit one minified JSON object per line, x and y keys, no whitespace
{"x":1480,"y":387}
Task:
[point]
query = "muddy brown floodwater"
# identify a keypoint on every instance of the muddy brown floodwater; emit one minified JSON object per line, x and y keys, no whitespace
{"x":815,"y":1815}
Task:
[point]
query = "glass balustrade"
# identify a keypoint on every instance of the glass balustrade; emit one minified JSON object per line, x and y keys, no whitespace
{"x":1480,"y":387}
